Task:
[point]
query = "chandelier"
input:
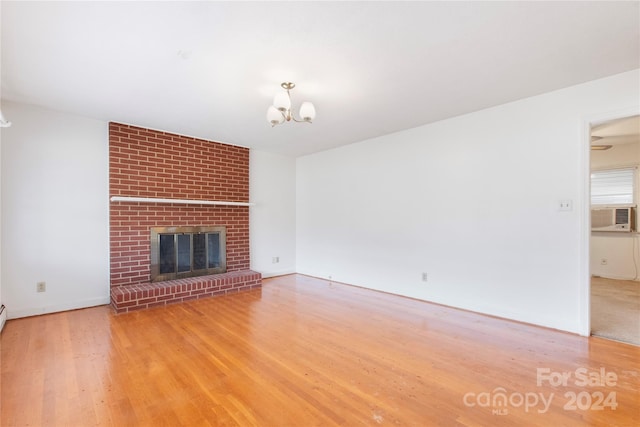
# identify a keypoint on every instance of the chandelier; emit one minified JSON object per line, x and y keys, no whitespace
{"x":280,"y":111}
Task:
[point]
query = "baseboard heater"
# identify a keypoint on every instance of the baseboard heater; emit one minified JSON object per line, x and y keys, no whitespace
{"x":3,"y":316}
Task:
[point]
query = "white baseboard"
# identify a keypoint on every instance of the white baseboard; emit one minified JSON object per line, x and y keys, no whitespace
{"x":3,"y":316}
{"x":36,"y":311}
{"x":277,"y":273}
{"x":614,"y":277}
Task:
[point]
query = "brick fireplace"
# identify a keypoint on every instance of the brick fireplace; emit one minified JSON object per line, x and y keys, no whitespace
{"x":145,"y":163}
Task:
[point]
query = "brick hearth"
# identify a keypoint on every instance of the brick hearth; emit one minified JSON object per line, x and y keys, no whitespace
{"x":147,"y":295}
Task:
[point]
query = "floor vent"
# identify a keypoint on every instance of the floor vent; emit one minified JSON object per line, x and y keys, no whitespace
{"x":3,"y":316}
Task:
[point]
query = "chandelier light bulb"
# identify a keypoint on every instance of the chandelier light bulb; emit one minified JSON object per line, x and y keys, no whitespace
{"x":307,"y":111}
{"x":282,"y":101}
{"x":274,"y":116}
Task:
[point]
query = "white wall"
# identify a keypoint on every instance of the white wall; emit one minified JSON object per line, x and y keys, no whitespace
{"x":272,"y":219}
{"x":472,"y":201}
{"x":616,"y":248}
{"x":55,"y":213}
{"x":1,"y":299}
{"x":619,"y":252}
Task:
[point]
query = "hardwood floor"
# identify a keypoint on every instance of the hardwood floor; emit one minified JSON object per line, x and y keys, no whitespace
{"x":306,"y":352}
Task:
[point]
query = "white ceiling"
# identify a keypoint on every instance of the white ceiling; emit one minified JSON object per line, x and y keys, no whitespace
{"x":210,"y":69}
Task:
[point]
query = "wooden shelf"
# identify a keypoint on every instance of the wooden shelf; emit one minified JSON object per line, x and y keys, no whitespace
{"x":178,"y":201}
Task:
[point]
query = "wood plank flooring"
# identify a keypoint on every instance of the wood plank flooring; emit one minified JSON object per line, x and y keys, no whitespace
{"x":307,"y":352}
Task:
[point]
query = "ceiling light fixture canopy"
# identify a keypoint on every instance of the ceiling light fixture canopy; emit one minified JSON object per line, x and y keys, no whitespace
{"x":280,"y":111}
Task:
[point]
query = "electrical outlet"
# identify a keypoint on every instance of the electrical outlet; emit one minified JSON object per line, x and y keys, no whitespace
{"x":424,"y":277}
{"x":275,"y":260}
{"x":41,"y":287}
{"x":604,"y":261}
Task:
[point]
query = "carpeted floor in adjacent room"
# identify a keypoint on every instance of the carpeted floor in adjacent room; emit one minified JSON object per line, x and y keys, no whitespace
{"x":615,"y":309}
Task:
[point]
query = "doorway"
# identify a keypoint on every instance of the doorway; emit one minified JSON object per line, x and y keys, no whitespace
{"x":614,"y":256}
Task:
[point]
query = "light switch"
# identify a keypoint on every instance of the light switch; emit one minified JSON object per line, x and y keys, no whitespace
{"x":565,"y":205}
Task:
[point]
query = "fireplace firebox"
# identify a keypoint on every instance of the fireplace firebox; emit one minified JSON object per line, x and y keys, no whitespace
{"x":179,"y":252}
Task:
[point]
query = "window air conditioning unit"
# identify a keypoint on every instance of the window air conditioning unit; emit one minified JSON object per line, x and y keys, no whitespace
{"x":613,"y":219}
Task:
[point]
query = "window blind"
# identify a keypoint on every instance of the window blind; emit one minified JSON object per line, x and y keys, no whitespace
{"x":613,"y":186}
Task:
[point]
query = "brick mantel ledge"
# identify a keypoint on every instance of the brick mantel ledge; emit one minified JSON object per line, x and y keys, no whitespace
{"x":146,"y":295}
